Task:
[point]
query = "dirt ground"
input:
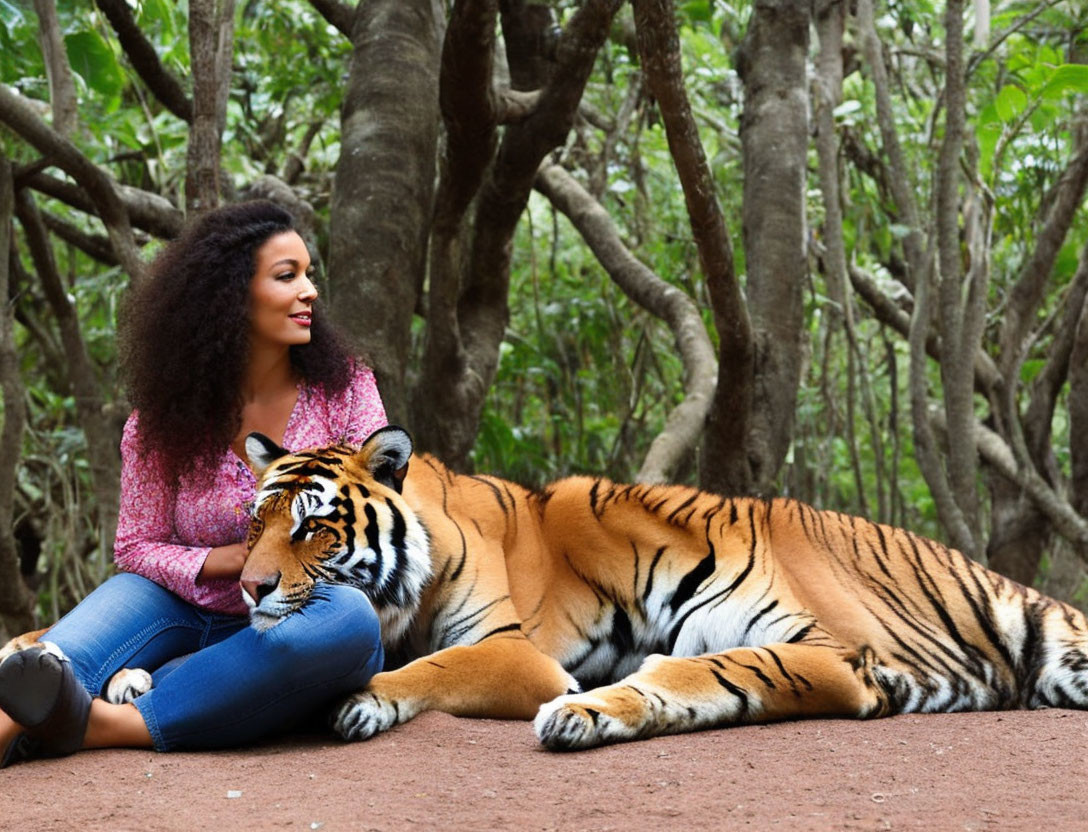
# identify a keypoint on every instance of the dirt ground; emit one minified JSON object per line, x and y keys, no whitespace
{"x":991,"y":771}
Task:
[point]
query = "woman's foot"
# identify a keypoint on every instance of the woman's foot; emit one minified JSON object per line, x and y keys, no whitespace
{"x":39,"y":691}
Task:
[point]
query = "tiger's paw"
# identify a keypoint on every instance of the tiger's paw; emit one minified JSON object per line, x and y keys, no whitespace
{"x":569,"y":723}
{"x":25,"y":642}
{"x":126,"y":684}
{"x":364,"y":714}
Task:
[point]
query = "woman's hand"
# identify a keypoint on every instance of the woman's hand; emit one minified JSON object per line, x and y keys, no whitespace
{"x":223,"y":562}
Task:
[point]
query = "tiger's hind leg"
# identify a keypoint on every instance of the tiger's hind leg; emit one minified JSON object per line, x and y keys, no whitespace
{"x":671,"y":695}
{"x":22,"y":643}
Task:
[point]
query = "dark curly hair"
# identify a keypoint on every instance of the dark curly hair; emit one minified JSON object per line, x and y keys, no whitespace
{"x":185,"y":338}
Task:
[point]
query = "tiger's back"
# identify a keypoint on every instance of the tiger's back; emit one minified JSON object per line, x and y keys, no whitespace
{"x":668,"y":569}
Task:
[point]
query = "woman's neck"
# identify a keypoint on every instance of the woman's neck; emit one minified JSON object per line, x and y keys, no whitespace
{"x":269,"y":371}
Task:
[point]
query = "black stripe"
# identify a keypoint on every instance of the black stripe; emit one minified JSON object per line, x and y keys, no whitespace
{"x":691,"y":581}
{"x":733,"y":689}
{"x":752,"y":621}
{"x":507,"y":628}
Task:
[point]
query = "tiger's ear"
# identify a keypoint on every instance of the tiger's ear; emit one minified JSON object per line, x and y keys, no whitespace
{"x":262,"y":452}
{"x":385,"y":453}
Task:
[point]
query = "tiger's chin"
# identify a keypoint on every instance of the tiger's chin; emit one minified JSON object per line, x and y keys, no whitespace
{"x":265,"y":616}
{"x":261,"y":621}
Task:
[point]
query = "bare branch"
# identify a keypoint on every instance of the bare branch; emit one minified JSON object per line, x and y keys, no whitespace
{"x":925,"y":443}
{"x":960,"y":314}
{"x":62,"y":92}
{"x":685,"y":423}
{"x":1031,"y":284}
{"x":997,"y":453}
{"x":889,"y":312}
{"x":150,"y":212}
{"x":164,"y":85}
{"x":513,"y":106}
{"x":660,"y":51}
{"x":340,"y":15}
{"x":899,"y":181}
{"x":20,"y":117}
{"x":94,"y":245}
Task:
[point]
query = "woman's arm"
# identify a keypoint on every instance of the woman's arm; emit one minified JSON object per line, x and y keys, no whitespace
{"x":145,"y":531}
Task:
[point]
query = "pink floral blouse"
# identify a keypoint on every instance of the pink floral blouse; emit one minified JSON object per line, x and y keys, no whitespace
{"x":165,"y":534}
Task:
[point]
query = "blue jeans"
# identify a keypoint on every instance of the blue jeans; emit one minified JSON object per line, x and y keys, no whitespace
{"x":218,"y":682}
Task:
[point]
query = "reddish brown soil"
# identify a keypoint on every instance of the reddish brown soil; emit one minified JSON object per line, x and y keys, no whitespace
{"x":995,"y":771}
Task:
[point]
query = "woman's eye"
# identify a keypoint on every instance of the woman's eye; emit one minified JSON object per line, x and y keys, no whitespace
{"x":286,"y":276}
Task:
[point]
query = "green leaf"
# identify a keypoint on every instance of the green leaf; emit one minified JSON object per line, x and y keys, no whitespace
{"x":93,"y":59}
{"x":158,"y":11}
{"x":1066,"y":78}
{"x":1030,"y":369}
{"x":697,"y":10}
{"x":1010,"y":102}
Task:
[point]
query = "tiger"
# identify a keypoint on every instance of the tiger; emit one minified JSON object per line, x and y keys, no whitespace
{"x":607,"y":612}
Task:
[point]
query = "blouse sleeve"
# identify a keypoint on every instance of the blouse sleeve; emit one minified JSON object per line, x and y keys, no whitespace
{"x":145,"y":526}
{"x":364,"y":412}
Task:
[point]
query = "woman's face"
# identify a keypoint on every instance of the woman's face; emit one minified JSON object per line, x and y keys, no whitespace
{"x":281,"y":295}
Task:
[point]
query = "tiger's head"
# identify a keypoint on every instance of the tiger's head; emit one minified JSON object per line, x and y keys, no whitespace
{"x":334,"y":514}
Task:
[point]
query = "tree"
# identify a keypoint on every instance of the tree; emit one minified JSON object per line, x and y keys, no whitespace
{"x":637,"y":239}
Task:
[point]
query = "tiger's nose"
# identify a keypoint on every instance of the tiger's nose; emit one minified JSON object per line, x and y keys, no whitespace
{"x":257,"y":589}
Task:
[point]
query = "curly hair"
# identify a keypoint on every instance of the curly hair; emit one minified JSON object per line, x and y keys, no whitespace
{"x":185,"y":338}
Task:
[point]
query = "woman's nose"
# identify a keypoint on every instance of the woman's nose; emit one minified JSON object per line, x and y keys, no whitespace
{"x":307,"y":291}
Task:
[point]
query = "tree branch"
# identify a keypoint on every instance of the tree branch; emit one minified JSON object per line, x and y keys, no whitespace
{"x":62,"y":92}
{"x":997,"y":453}
{"x":899,"y":181}
{"x":726,"y":437}
{"x":340,"y":15}
{"x":1031,"y":284}
{"x":20,"y":117}
{"x":147,"y":211}
{"x":164,"y":85}
{"x":959,"y":314}
{"x":93,"y":245}
{"x":685,"y":423}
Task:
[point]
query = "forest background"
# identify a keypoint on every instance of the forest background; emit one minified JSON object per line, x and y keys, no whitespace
{"x":835,"y":251}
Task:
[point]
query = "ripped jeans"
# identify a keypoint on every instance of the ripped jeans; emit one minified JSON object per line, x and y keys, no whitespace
{"x":219,"y":683}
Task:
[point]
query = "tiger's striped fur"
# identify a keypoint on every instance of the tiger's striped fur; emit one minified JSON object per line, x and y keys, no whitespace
{"x":673,"y":609}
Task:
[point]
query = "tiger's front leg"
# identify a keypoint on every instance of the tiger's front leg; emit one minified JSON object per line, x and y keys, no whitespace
{"x":502,"y":677}
{"x":671,"y":695}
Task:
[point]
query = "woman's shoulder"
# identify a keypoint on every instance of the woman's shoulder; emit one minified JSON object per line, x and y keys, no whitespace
{"x":361,"y":382}
{"x":347,"y":415}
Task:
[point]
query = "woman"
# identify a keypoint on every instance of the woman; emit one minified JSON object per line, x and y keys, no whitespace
{"x":222,"y":340}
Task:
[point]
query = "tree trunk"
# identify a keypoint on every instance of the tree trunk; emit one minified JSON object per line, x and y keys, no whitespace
{"x":16,"y":601}
{"x":774,"y":135}
{"x":482,"y":309}
{"x":211,"y":41}
{"x":724,"y":464}
{"x":383,"y":192}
